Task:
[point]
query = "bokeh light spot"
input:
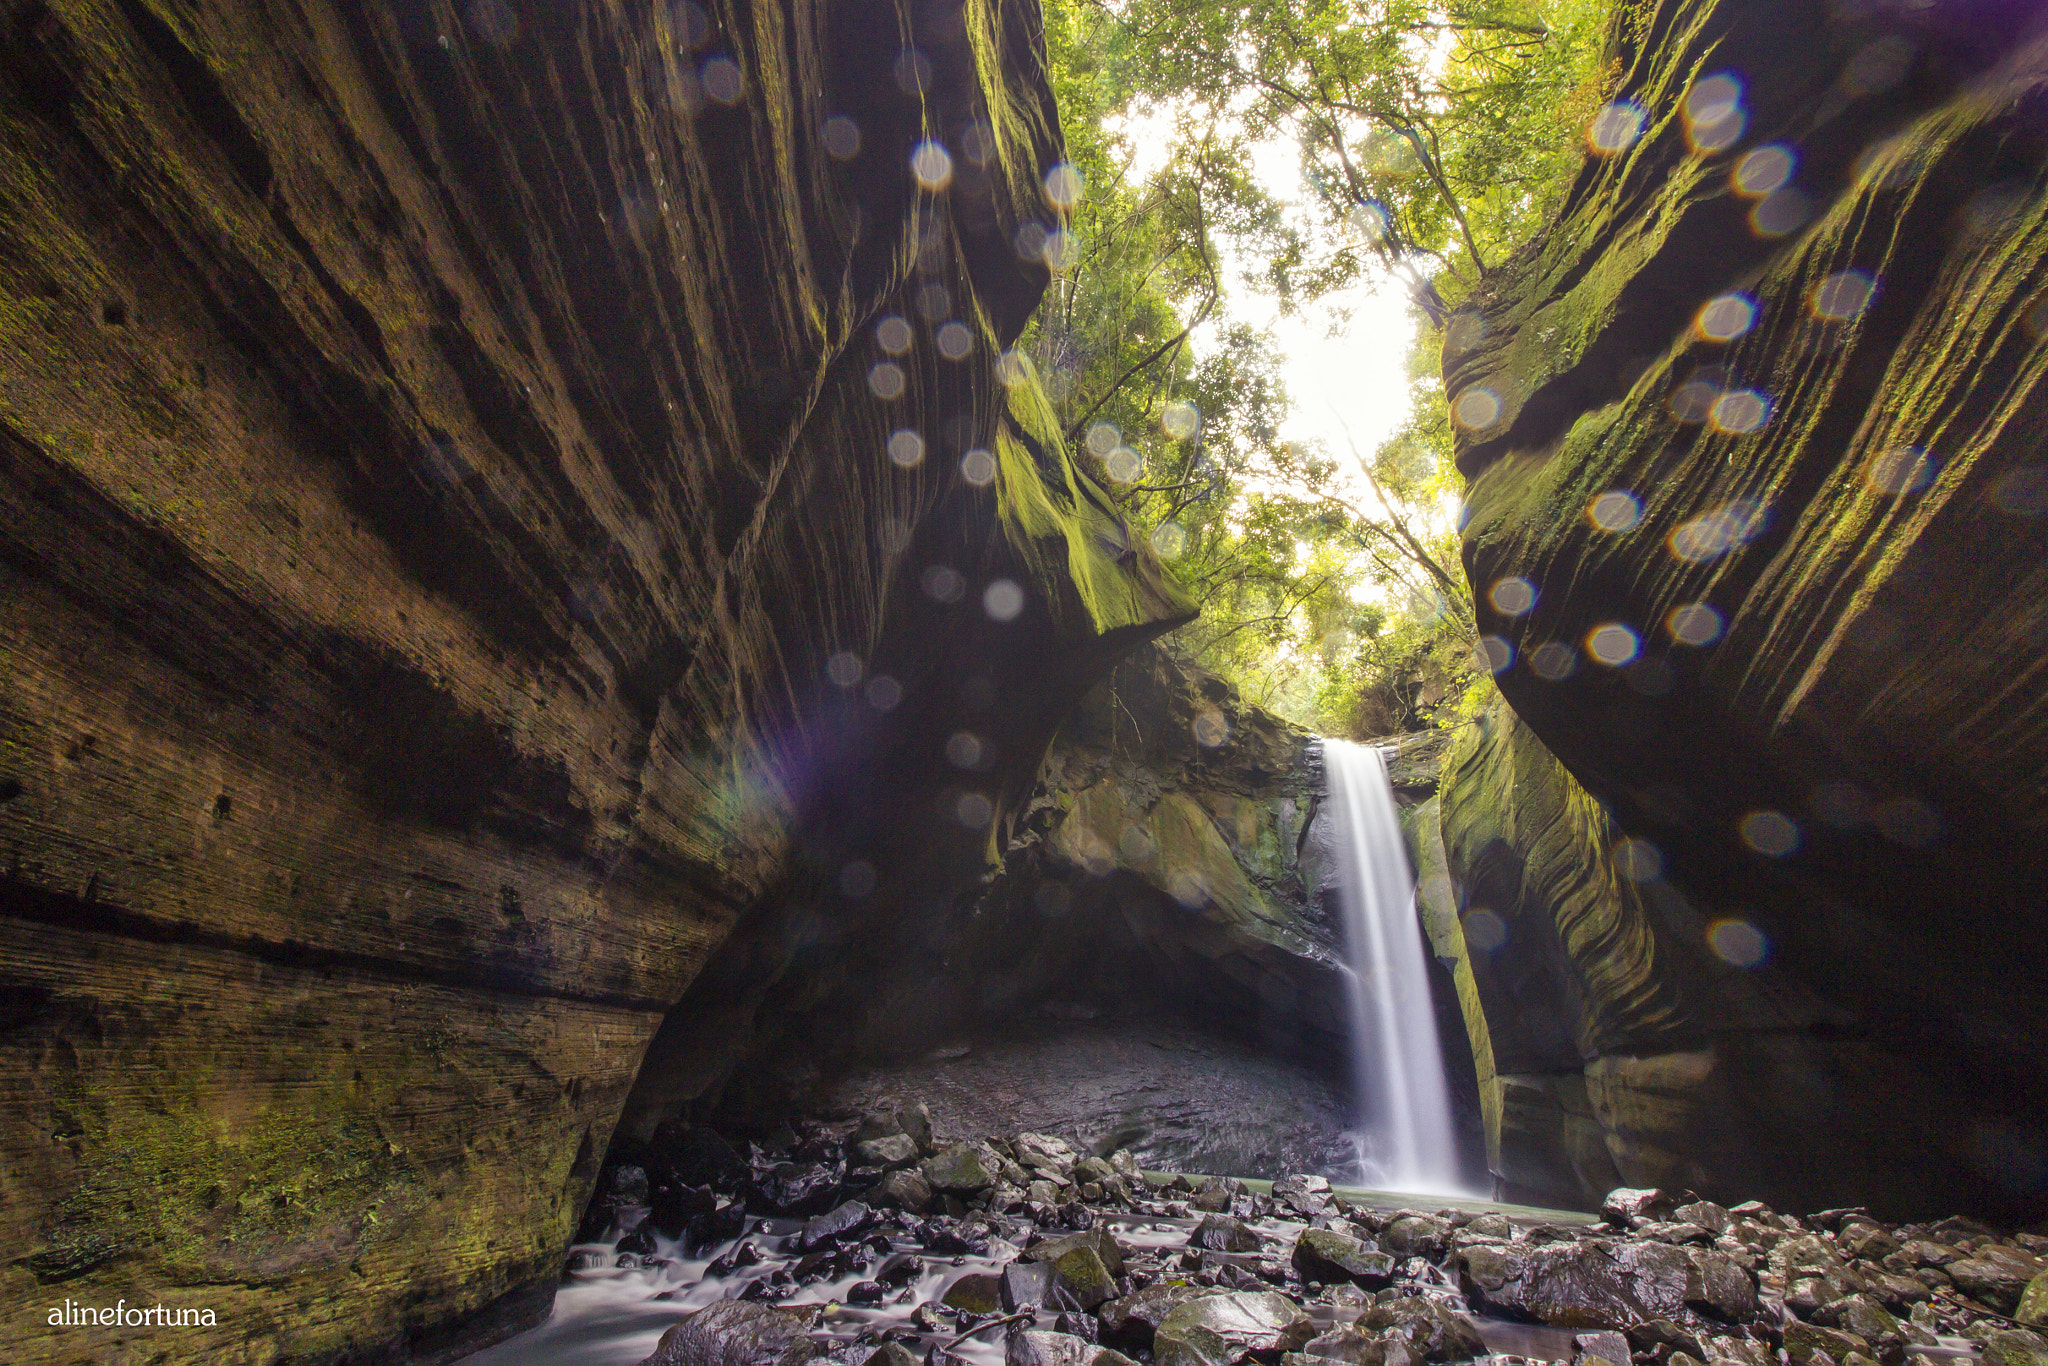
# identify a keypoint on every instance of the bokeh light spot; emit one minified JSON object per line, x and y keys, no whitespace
{"x":931,"y":165}
{"x":1013,"y":369}
{"x":1738,"y":942}
{"x":942,"y":583}
{"x":1124,"y":464}
{"x":1512,"y":596}
{"x":1002,"y":600}
{"x":1768,"y":168}
{"x":1062,"y":250}
{"x":955,"y":341}
{"x":1101,"y":439}
{"x":1724,"y":318}
{"x":1494,"y":654}
{"x":2021,"y":492}
{"x":1211,"y":728}
{"x":844,"y":668}
{"x":1781,"y":212}
{"x":722,"y":80}
{"x":1615,"y":510}
{"x":1771,"y":833}
{"x":886,"y":380}
{"x":1740,"y":412}
{"x":1613,"y":644}
{"x":841,"y":136}
{"x":1553,"y":662}
{"x":913,"y":71}
{"x":1063,"y":185}
{"x":1694,"y":623}
{"x":1169,"y":540}
{"x":1899,"y":470}
{"x":978,"y":467}
{"x":974,"y":811}
{"x":906,"y":448}
{"x":1714,"y":116}
{"x":1841,"y":296}
{"x":964,"y":749}
{"x":1484,"y":930}
{"x":1639,"y":860}
{"x":1180,"y":420}
{"x":1615,"y":128}
{"x":883,"y":692}
{"x":1030,"y":242}
{"x":1476,"y":409}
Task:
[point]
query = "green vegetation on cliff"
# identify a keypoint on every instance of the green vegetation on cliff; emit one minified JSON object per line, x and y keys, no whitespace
{"x":1430,"y":143}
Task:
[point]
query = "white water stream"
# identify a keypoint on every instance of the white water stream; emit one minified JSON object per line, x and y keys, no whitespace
{"x":1406,"y":1142}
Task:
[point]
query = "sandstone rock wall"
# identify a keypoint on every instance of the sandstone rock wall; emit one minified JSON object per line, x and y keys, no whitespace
{"x":443,"y":450}
{"x":1758,"y":425}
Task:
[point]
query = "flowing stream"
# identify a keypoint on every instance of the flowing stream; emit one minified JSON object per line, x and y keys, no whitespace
{"x":1406,"y":1142}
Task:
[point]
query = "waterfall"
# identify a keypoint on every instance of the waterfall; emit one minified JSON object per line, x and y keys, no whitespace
{"x":1404,"y":1105}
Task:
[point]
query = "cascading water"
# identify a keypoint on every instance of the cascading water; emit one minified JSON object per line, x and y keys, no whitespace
{"x":1404,"y":1104}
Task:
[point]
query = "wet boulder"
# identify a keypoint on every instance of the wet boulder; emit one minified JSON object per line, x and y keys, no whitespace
{"x":1433,"y":1331}
{"x":2014,"y":1347}
{"x":890,"y":1151}
{"x":1082,"y":1276}
{"x":890,"y":1354}
{"x":1607,"y":1346}
{"x":1217,"y":1330}
{"x":1715,"y":1285}
{"x":1804,"y":1340}
{"x":1221,"y":1233}
{"x":1098,"y":1240}
{"x":1627,"y":1204}
{"x":1217,"y":1194}
{"x":798,"y":1187}
{"x":963,"y":1169}
{"x":1417,"y":1235}
{"x":1036,"y":1348}
{"x":1322,"y":1254}
{"x":1355,"y":1349}
{"x":1025,"y":1285}
{"x":1491,"y":1226}
{"x":904,"y":1190}
{"x":1135,"y":1318}
{"x":736,"y":1333}
{"x":2033,"y":1305}
{"x":1595,"y":1283}
{"x":1707,"y":1215}
{"x":1045,"y":1153}
{"x":1869,"y":1320}
{"x":841,"y":1222}
{"x":1304,"y":1194}
{"x":975,"y":1293}
{"x":1996,"y":1275}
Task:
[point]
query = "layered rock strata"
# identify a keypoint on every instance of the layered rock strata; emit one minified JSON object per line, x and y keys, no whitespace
{"x":1756,"y":522}
{"x":481,"y":495}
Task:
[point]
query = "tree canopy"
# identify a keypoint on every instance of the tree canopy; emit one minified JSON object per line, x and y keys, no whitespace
{"x":1432,"y":139}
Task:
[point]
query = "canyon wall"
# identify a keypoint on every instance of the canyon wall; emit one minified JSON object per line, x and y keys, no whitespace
{"x":487,"y":493}
{"x":1757,"y":522}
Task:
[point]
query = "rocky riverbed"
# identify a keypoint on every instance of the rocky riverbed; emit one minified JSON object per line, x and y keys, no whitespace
{"x":867,"y":1243}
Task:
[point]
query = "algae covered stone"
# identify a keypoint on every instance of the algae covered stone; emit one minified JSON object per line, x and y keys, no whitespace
{"x":1217,"y":1330}
{"x":736,"y":1333}
{"x":1322,"y":1254}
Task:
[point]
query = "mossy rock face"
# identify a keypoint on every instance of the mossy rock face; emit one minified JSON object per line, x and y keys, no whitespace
{"x":1773,"y":470}
{"x":463,"y":543}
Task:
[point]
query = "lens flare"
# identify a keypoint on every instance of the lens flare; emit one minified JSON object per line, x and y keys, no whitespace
{"x":1770,"y":833}
{"x":1841,"y":296}
{"x":1764,"y":170}
{"x":978,"y":467}
{"x":1616,"y":510}
{"x":1063,"y":185}
{"x":1725,"y":318}
{"x":1738,"y":942}
{"x":1476,"y":409}
{"x":931,"y":165}
{"x":1512,"y":596}
{"x":1002,"y":600}
{"x":1180,"y":420}
{"x":1639,"y":860}
{"x":1900,"y":470}
{"x":1613,"y":644}
{"x":1169,"y":541}
{"x":1694,"y":623}
{"x":906,"y":448}
{"x":1615,"y":128}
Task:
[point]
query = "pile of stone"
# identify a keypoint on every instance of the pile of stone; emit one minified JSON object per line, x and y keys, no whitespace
{"x":1299,"y":1277}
